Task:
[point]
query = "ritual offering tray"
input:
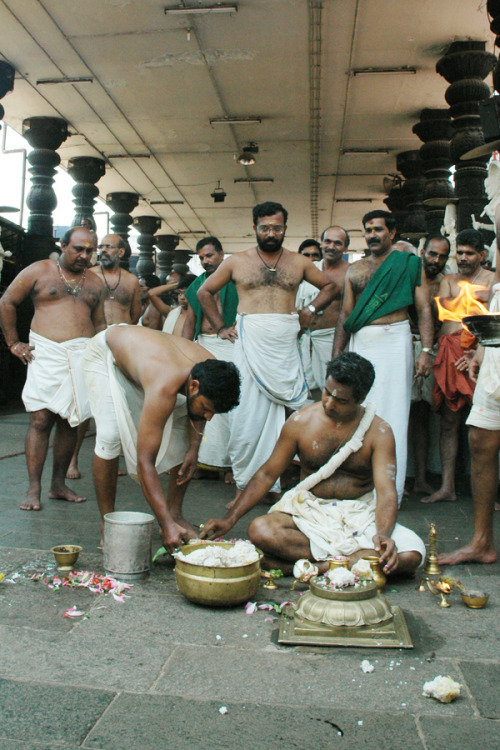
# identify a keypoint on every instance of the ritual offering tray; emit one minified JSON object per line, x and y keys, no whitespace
{"x":485,"y":327}
{"x":218,"y":582}
{"x":355,"y":615}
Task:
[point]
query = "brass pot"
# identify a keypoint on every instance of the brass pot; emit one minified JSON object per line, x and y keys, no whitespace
{"x":216,"y":587}
{"x":66,"y":555}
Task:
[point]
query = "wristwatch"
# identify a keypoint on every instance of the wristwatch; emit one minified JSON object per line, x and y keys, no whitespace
{"x":427,"y":349}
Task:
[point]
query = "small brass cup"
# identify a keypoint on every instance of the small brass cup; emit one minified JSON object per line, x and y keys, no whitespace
{"x":66,"y":555}
{"x":475,"y":599}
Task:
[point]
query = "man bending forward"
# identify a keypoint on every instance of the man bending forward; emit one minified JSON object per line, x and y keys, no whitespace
{"x":346,"y":452}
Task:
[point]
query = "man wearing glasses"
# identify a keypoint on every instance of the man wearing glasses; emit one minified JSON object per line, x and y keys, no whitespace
{"x":265,"y":336}
{"x":122,"y":304}
{"x":319,"y":328}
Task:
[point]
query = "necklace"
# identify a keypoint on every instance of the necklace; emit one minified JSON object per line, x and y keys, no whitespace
{"x":111,"y":290}
{"x":270,"y":268}
{"x":70,"y":282}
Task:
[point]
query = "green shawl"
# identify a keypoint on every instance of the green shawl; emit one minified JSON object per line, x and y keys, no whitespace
{"x":228,"y":299}
{"x":390,"y":288}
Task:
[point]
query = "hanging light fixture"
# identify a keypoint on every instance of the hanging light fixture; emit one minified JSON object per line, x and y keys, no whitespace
{"x":219,"y":194}
{"x":247,"y":158}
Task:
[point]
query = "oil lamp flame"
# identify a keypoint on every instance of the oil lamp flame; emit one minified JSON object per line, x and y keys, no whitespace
{"x":465,"y":303}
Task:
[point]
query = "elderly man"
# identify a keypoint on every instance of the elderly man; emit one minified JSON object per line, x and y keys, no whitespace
{"x":346,"y":501}
{"x":122,"y":304}
{"x":321,"y":329}
{"x":374,"y":322}
{"x":266,"y":350}
{"x":69,"y":310}
{"x":151,"y":392}
{"x":453,"y":389}
{"x":214,"y":450}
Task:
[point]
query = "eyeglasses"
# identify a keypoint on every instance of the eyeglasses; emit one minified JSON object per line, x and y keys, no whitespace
{"x":317,"y":256}
{"x":270,"y":229}
{"x":105,"y":246}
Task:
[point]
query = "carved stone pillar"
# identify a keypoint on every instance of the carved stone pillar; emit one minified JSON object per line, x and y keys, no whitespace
{"x":166,"y":244}
{"x":412,"y":192}
{"x":45,"y":135}
{"x":464,"y":66}
{"x":122,"y":204}
{"x":182,"y":256}
{"x":435,"y":130}
{"x":146,"y":226}
{"x":86,"y":171}
{"x":7,"y":72}
{"x":396,"y":205}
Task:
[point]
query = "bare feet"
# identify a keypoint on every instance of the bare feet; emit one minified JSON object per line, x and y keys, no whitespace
{"x":423,"y":487}
{"x":122,"y":473}
{"x":32,"y":501}
{"x":497,"y":506}
{"x":73,"y":472}
{"x":440,"y":496}
{"x":228,"y":477}
{"x":64,"y":493}
{"x":469,"y":553}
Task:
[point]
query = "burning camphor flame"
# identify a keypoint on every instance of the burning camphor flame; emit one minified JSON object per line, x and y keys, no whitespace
{"x":463,"y":304}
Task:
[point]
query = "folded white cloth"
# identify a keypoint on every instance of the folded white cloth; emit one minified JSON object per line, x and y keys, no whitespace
{"x":389,"y":349}
{"x":171,"y":320}
{"x":321,"y":353}
{"x":267,"y":356}
{"x":214,"y":448}
{"x":55,"y":379}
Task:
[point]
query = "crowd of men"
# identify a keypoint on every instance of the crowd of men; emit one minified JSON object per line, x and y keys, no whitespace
{"x":217,"y":372}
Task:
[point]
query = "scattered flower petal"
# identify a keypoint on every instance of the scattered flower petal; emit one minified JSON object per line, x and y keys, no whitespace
{"x":73,"y":612}
{"x":366,"y":666}
{"x":223,"y":710}
{"x":250,"y":607}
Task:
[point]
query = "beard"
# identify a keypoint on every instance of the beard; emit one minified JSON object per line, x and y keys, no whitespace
{"x":108,"y":263}
{"x":269,"y":244}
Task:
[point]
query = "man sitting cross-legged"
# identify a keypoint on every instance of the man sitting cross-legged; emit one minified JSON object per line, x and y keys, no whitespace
{"x":346,"y":455}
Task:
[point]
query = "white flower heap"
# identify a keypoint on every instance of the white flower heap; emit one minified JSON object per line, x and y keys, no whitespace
{"x":340,"y":578}
{"x":215,"y":556}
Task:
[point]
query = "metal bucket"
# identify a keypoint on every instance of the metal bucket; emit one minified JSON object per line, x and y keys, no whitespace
{"x":127,"y":544}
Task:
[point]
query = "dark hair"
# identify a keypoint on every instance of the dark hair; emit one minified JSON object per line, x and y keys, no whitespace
{"x":378,"y":213}
{"x":209,"y":241}
{"x":220,"y":382}
{"x":186,"y":281}
{"x":269,"y":208}
{"x":336,"y":226}
{"x":310,"y":243}
{"x":438,"y":237}
{"x":351,"y":369}
{"x":68,"y":234}
{"x":151,"y":280}
{"x":472,"y":238}
{"x":122,"y":242}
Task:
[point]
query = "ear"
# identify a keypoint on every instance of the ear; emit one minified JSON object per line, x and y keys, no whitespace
{"x":194,"y":387}
{"x":393,"y":234}
{"x":121,"y":252}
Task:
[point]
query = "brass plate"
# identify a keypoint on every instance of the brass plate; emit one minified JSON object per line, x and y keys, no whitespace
{"x":391,"y":634}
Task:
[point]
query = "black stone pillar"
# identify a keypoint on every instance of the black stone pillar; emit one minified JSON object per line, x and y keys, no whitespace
{"x":86,"y":171}
{"x":166,"y":244}
{"x":146,"y":226}
{"x":7,"y":72}
{"x":435,"y":130}
{"x":464,"y":66}
{"x":409,"y":164}
{"x":122,"y":204}
{"x":45,"y":135}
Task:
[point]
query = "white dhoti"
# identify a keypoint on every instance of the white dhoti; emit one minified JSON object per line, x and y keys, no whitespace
{"x":171,"y":320}
{"x":389,"y":349}
{"x":54,"y":379}
{"x":214,"y":448}
{"x":340,"y":527}
{"x":267,"y":356}
{"x":321,"y":353}
{"x":485,"y":411}
{"x":116,"y":406}
{"x":305,"y":356}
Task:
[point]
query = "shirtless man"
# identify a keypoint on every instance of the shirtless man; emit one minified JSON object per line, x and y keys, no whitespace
{"x":374,"y":322}
{"x":316,"y":519}
{"x":266,"y":333}
{"x":435,"y":254}
{"x":122,"y":304}
{"x":320,"y":329}
{"x":453,"y":388}
{"x":175,"y":314}
{"x":150,"y":316}
{"x":160,"y":429}
{"x":214,"y":455}
{"x":69,"y":310}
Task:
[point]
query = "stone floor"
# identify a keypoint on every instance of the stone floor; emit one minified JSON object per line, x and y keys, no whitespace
{"x":154,"y":671}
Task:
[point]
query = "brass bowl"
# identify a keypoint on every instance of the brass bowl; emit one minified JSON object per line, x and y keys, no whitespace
{"x":217,"y":587}
{"x":66,"y":555}
{"x":347,"y":607}
{"x":475,"y":599}
{"x":485,"y":327}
